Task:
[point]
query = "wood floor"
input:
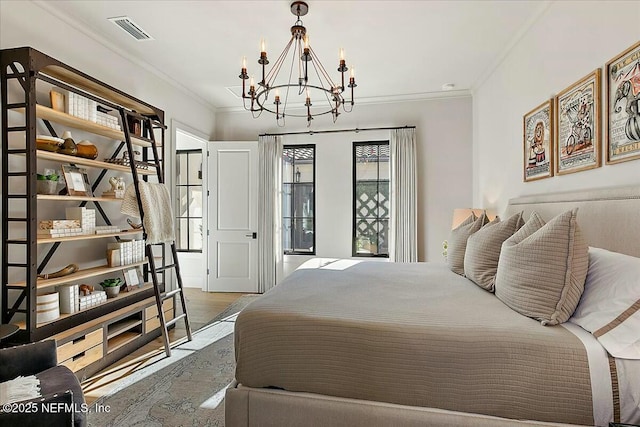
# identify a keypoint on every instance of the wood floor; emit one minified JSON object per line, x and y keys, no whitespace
{"x":202,"y":307}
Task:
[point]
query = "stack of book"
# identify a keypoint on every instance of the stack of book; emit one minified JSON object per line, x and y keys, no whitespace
{"x":91,"y":300}
{"x":106,"y":229}
{"x":59,"y":228}
{"x":87,"y":218}
{"x":83,"y":108}
{"x":125,"y":252}
{"x":69,"y":298}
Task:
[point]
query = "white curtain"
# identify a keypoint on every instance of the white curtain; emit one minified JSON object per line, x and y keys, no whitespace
{"x":403,"y":245}
{"x":269,"y":206}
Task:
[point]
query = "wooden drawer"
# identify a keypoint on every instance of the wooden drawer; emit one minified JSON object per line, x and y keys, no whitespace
{"x":79,"y":345}
{"x":154,"y":322}
{"x":152,"y":311}
{"x":84,"y":359}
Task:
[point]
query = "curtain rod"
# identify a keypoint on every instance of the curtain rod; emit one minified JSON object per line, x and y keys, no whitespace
{"x":356,"y":130}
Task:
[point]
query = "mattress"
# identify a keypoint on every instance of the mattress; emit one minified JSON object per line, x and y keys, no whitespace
{"x":411,"y":334}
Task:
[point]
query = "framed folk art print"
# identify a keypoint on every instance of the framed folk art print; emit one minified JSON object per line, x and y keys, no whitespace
{"x":622,"y":77}
{"x":538,"y":142}
{"x":578,"y":126}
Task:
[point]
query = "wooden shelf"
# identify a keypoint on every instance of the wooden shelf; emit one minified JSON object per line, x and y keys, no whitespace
{"x":65,"y":119}
{"x":77,"y":198}
{"x":121,"y":340}
{"x":22,"y":325}
{"x":123,"y":233}
{"x":78,"y":275}
{"x":121,"y":326}
{"x":63,"y":158}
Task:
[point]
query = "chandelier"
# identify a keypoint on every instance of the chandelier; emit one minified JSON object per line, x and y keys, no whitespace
{"x":312,"y":83}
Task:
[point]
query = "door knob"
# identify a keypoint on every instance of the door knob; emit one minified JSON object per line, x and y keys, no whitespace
{"x":252,"y":235}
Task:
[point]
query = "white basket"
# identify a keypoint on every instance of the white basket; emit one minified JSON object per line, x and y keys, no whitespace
{"x":48,"y":307}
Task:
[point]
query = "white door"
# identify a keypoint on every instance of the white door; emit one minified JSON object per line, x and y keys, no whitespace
{"x":233,"y":214}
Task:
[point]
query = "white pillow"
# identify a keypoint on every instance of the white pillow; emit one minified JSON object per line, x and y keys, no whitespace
{"x":610,"y":305}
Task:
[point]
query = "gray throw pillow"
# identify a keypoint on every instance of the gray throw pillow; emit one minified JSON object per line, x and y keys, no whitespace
{"x":542,"y":268}
{"x":483,"y":250}
{"x":458,"y":242}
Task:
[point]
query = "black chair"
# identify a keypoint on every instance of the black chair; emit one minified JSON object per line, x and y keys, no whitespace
{"x":62,"y":402}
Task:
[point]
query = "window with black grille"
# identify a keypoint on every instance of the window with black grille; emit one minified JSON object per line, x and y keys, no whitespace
{"x":189,"y":204}
{"x":298,"y":199}
{"x":371,"y":199}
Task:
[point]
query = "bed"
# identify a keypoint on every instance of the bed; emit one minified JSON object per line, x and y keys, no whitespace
{"x":343,"y":342}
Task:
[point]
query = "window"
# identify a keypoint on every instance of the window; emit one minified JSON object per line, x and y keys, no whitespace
{"x":189,"y":194}
{"x":371,"y":198}
{"x":298,"y":199}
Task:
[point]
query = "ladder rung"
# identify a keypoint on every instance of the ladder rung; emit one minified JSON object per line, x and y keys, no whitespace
{"x":15,"y":264}
{"x":17,"y":219}
{"x":16,"y":242}
{"x":17,"y":151}
{"x":13,"y":287}
{"x":17,"y":75}
{"x":166,"y":267}
{"x":16,"y":129}
{"x":16,"y":174}
{"x":175,"y":320}
{"x":16,"y":196}
{"x":171,"y":293}
{"x":16,"y":105}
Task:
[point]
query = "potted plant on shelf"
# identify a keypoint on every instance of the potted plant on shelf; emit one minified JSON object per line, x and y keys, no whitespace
{"x":112,"y":286}
{"x":47,"y":184}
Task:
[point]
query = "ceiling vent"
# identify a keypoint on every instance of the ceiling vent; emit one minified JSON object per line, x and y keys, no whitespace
{"x":131,"y":27}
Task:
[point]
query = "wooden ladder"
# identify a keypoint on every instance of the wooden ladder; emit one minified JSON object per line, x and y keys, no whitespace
{"x":153,"y":270}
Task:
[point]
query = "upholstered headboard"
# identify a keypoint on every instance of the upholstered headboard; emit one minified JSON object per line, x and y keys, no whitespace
{"x":608,"y":217}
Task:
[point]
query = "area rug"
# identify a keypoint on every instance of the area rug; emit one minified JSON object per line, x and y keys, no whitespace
{"x":186,"y":389}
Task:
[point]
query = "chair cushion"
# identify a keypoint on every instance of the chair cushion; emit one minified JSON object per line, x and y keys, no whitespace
{"x":57,"y":380}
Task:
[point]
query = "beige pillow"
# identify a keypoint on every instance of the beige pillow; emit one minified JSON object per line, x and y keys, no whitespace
{"x":458,"y":242}
{"x":483,"y":250}
{"x":542,"y":268}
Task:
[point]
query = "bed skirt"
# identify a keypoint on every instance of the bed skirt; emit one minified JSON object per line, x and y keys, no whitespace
{"x":252,"y":407}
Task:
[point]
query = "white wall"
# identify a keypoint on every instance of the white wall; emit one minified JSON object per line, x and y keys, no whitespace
{"x":24,"y":23}
{"x":567,"y":42}
{"x":443,"y":128}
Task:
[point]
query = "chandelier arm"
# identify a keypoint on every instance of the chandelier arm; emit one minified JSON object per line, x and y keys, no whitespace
{"x":272,"y":74}
{"x":324,"y":72}
{"x":286,"y":99}
{"x":325,"y":91}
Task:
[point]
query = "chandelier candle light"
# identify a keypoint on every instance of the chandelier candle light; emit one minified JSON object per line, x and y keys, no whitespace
{"x":302,"y":54}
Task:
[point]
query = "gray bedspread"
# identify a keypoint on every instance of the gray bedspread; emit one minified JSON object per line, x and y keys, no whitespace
{"x":411,"y":334}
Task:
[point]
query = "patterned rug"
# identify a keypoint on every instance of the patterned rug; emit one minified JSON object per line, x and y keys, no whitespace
{"x":186,"y":389}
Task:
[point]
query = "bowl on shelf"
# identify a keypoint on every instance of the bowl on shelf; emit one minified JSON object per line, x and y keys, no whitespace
{"x":46,"y":187}
{"x":48,"y":143}
{"x":87,"y":150}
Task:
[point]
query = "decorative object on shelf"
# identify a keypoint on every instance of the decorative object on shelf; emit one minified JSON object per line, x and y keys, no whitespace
{"x":48,"y":307}
{"x":87,"y":150}
{"x":69,"y":146}
{"x":124,"y":161}
{"x":117,"y":188}
{"x":107,"y":229}
{"x":69,"y":269}
{"x":538,"y":131}
{"x":77,"y":181}
{"x":135,"y":226}
{"x":91,"y":300}
{"x":135,"y":125}
{"x":327,"y":95}
{"x":57,"y":100}
{"x":133,"y":278}
{"x":49,"y":143}
{"x":47,"y":184}
{"x":69,"y":295}
{"x":622,"y":76}
{"x":111,"y":286}
{"x":577,"y":142}
{"x":86,"y":289}
{"x":86,"y":216}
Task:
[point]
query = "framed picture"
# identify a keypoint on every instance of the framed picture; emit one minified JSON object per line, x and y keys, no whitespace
{"x":133,"y":278}
{"x":622,"y":77}
{"x":578,"y":126}
{"x":77,"y":181}
{"x":538,"y":142}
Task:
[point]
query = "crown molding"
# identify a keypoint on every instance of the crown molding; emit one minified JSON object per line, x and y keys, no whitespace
{"x":373,"y":100}
{"x":46,"y":6}
{"x":517,"y":37}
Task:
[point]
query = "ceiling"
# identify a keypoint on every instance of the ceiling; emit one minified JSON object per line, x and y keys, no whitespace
{"x":401,"y":49}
